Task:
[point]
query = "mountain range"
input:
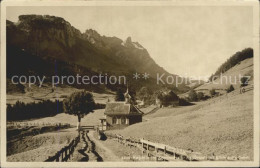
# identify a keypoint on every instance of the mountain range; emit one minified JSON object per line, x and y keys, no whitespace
{"x":42,"y":41}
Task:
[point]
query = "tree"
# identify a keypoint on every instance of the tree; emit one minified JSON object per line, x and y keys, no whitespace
{"x":200,"y":95}
{"x":143,"y":93}
{"x":212,"y":92}
{"x":132,"y":93}
{"x":171,"y":96}
{"x":193,"y":95}
{"x":244,"y":81}
{"x":119,"y":96}
{"x":230,"y":89}
{"x":79,"y":104}
{"x":233,"y":60}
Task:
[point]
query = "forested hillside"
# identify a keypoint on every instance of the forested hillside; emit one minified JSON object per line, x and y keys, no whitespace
{"x":233,"y":60}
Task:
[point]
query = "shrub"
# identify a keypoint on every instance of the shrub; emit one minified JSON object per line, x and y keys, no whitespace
{"x":183,"y":102}
{"x":200,"y":96}
{"x":212,"y":92}
{"x":230,"y":89}
{"x":193,"y":95}
{"x":244,"y":81}
{"x":168,"y":99}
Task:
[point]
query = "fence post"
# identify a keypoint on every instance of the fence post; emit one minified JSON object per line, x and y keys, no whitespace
{"x":57,"y":157}
{"x":62,"y":154}
{"x":66,"y":154}
{"x":142,"y":145}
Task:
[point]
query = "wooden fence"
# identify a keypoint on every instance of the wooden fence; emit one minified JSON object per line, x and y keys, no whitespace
{"x":88,"y":127}
{"x":26,"y":124}
{"x":65,"y":153}
{"x":162,"y":152}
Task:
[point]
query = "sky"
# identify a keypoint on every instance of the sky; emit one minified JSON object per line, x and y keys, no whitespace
{"x":189,"y":41}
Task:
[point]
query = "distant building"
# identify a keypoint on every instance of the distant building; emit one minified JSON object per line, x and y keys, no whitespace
{"x":121,"y":114}
{"x":166,"y":98}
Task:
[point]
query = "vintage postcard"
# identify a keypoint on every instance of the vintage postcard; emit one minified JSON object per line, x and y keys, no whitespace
{"x":129,"y":83}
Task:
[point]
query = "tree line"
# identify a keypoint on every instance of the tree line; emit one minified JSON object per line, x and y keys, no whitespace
{"x":232,"y":61}
{"x":33,"y":110}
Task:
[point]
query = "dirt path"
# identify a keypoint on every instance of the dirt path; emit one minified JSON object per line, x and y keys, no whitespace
{"x":105,"y":153}
{"x":85,"y":150}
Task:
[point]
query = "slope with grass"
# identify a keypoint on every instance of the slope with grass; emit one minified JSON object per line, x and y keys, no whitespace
{"x":37,"y":94}
{"x":39,"y":147}
{"x":221,"y":125}
{"x":232,"y":76}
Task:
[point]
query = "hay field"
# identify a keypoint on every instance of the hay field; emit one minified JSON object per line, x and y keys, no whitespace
{"x":222,"y":125}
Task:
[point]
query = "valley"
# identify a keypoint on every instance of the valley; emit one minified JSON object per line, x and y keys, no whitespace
{"x":106,"y":120}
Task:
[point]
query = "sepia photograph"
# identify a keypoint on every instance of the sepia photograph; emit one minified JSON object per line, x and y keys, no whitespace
{"x":129,"y":83}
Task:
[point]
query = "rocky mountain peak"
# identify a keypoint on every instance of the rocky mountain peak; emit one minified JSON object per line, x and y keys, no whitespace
{"x":135,"y":45}
{"x":92,"y":36}
{"x":54,"y":37}
{"x":46,"y":27}
{"x":91,"y":32}
{"x":128,"y":40}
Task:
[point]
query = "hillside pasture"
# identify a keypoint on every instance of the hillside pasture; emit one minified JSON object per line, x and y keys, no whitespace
{"x":222,"y":125}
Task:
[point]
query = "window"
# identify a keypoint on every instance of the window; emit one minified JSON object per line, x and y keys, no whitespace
{"x":114,"y":120}
{"x":123,"y":120}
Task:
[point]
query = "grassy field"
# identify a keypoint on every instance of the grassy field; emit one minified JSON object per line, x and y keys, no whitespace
{"x":232,"y":76}
{"x":36,"y":94}
{"x":39,"y":147}
{"x":222,"y":125}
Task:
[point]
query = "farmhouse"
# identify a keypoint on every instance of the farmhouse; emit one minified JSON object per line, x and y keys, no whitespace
{"x":121,"y":114}
{"x":167,"y":98}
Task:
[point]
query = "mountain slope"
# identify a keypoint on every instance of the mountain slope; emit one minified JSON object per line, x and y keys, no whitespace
{"x":49,"y":36}
{"x":221,"y":125}
{"x":231,"y":76}
{"x":49,"y":39}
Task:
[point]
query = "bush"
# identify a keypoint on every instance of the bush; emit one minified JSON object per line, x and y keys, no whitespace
{"x":200,"y":96}
{"x":146,"y":95}
{"x":244,"y":81}
{"x":230,"y":89}
{"x":193,"y":95}
{"x":183,"y":102}
{"x":168,"y":99}
{"x":100,"y":106}
{"x":212,"y":92}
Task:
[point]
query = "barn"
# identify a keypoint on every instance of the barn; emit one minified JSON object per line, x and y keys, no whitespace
{"x":121,"y":114}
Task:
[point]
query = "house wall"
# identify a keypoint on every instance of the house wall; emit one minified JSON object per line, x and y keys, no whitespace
{"x":118,"y":125}
{"x":135,"y":119}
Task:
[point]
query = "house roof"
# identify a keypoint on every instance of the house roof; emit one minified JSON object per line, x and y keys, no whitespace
{"x":121,"y":108}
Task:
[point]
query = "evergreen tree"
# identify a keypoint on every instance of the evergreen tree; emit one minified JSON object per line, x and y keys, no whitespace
{"x":119,"y":96}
